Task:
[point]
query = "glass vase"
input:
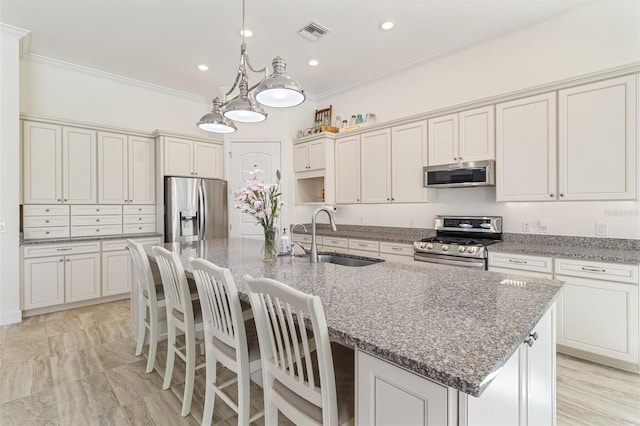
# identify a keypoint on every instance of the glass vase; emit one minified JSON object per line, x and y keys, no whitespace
{"x":270,"y":244}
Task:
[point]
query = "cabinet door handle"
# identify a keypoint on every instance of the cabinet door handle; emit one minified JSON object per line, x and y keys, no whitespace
{"x":363,"y":245}
{"x":64,"y":249}
{"x":517,"y":261}
{"x":396,"y":248}
{"x":589,"y":269}
{"x":531,"y":339}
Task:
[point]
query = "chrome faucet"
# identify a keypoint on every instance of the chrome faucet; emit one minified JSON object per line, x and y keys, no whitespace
{"x":313,"y":257}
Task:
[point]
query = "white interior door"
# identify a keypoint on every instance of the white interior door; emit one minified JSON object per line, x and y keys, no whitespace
{"x":245,"y":156}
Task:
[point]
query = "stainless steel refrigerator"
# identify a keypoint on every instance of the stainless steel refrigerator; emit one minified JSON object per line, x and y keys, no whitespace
{"x":195,"y":209}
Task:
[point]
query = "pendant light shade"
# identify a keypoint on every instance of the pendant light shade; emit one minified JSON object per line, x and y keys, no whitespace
{"x":215,"y":122}
{"x":279,"y":90}
{"x":244,"y":108}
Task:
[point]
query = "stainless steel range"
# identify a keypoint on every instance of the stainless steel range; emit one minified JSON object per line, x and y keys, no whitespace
{"x":460,"y":241}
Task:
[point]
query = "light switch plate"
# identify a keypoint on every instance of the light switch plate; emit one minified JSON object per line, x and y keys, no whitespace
{"x":543,"y":227}
{"x":526,"y":226}
{"x":3,"y":227}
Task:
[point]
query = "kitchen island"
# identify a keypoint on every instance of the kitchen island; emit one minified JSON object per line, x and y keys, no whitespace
{"x":454,"y":328}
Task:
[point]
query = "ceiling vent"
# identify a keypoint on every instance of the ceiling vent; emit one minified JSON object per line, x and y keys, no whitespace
{"x":313,"y":31}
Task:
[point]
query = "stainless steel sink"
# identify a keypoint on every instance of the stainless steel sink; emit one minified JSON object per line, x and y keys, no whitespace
{"x":346,"y":259}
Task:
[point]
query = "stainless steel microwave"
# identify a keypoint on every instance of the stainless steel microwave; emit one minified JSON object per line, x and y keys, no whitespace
{"x":476,"y":173}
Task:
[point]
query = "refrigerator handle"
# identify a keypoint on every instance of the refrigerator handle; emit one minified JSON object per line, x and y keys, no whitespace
{"x":202,"y":213}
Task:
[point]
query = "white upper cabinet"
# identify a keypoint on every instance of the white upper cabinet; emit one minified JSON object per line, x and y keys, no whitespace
{"x":309,"y":156}
{"x":126,"y":169}
{"x":375,"y":166}
{"x":462,"y":137}
{"x":192,"y":158}
{"x":408,"y":157}
{"x":59,"y":164}
{"x":526,"y":149}
{"x":348,"y":170}
{"x":597,"y":131}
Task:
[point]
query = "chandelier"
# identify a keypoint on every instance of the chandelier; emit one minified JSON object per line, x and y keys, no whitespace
{"x":277,"y":90}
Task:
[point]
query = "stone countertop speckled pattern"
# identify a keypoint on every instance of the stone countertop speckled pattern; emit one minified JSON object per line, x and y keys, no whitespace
{"x":584,"y":248}
{"x":82,"y":239}
{"x":453,"y":325}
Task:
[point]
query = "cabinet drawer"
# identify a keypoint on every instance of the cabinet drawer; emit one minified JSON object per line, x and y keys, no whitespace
{"x":95,"y":231}
{"x":305,"y":238}
{"x":96,"y":220}
{"x":141,"y":228}
{"x":364,"y":245}
{"x":521,"y":262}
{"x":335,"y":242}
{"x":45,"y":221}
{"x":397,"y":248}
{"x":40,"y":250}
{"x":138,"y":210}
{"x":597,"y":270}
{"x":45,"y":210}
{"x":44,"y":232}
{"x":95,"y":209}
{"x":142,"y":218}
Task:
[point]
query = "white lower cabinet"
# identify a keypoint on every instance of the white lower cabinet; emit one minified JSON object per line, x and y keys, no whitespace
{"x":598,"y":312}
{"x":388,"y":395}
{"x":117,"y":272}
{"x":523,"y":392}
{"x":58,"y":274}
{"x":520,"y":264}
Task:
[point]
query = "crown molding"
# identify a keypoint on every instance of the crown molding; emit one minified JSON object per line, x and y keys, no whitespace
{"x":11,"y":31}
{"x":116,"y":77}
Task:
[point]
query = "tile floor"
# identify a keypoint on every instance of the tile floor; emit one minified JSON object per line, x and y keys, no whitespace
{"x":77,"y":367}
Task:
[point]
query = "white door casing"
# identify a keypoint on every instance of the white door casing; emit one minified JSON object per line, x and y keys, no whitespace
{"x":244,"y":157}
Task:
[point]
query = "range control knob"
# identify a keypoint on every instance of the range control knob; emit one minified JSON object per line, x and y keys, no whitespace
{"x":472,"y":250}
{"x":429,"y":246}
{"x":422,"y":245}
{"x":445,"y":247}
{"x":461,"y":249}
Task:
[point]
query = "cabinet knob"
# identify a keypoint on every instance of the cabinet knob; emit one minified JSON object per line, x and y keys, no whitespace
{"x":357,"y":199}
{"x":139,"y":218}
{"x":97,"y":210}
{"x":59,"y":199}
{"x":68,"y":260}
{"x":46,"y":232}
{"x":388,"y":199}
{"x":65,"y":200}
{"x":393,"y":199}
{"x":46,"y":210}
{"x":46,"y":221}
{"x":551,"y":195}
{"x":97,"y":230}
{"x":140,"y":228}
{"x":531,"y":339}
{"x":97,"y":220}
{"x":455,"y":158}
{"x":562,"y":195}
{"x":61,"y":259}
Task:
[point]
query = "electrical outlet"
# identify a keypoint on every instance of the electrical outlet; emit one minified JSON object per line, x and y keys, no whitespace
{"x":543,"y":227}
{"x":526,"y":227}
{"x":601,"y":229}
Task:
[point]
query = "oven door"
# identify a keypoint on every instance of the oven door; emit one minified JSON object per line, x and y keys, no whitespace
{"x":466,"y":262}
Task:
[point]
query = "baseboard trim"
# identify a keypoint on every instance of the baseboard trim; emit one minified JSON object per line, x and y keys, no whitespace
{"x":12,"y":317}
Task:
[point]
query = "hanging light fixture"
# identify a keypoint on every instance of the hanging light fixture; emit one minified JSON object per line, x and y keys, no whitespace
{"x":277,"y":90}
{"x":215,"y":122}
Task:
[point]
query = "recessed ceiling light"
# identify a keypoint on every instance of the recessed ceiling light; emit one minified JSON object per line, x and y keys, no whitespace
{"x":387,"y":25}
{"x":203,"y":67}
{"x":313,"y":62}
{"x":247,"y":32}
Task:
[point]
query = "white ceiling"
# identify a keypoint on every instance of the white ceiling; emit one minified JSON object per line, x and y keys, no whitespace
{"x":163,"y":41}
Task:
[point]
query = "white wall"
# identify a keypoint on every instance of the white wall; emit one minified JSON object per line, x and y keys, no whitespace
{"x":10,"y":175}
{"x":595,"y":38}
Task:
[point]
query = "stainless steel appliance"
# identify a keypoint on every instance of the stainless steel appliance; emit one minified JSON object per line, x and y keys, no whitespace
{"x":476,"y":173}
{"x":460,"y":241}
{"x":195,"y":209}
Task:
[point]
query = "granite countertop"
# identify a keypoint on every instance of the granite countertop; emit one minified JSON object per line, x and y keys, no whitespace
{"x":82,"y":239}
{"x":455,"y":326}
{"x":618,"y":250}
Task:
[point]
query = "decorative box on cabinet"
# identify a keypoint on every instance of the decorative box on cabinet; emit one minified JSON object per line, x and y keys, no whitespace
{"x":126,"y":167}
{"x":59,"y":164}
{"x":41,"y":221}
{"x":60,"y":273}
{"x":190,"y":158}
{"x":314,"y":171}
{"x":462,"y":137}
{"x":598,"y":312}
